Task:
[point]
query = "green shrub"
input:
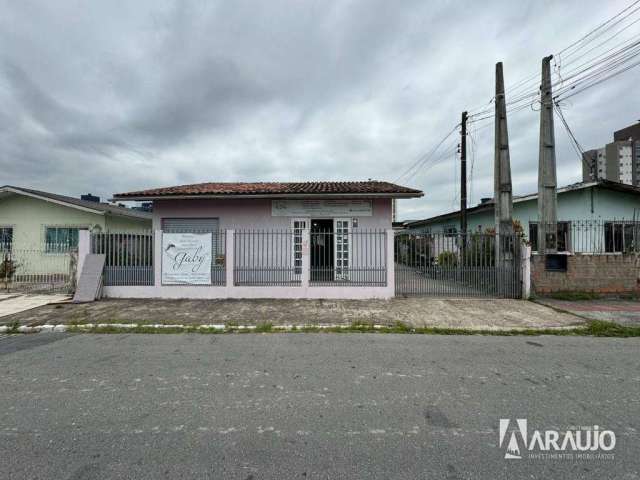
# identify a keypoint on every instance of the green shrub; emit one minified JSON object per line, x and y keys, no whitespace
{"x":447,"y":259}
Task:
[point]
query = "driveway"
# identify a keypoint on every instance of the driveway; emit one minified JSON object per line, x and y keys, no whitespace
{"x":417,"y":312}
{"x":308,"y":406}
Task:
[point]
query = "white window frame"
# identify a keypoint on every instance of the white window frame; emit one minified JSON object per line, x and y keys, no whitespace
{"x":307,"y":223}
{"x":63,"y":226}
{"x":338,"y":236}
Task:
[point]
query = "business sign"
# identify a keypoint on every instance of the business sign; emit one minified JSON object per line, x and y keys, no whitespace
{"x":186,"y":259}
{"x":321,"y":208}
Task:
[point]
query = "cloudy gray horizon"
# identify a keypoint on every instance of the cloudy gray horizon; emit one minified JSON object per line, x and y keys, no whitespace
{"x":108,"y":97}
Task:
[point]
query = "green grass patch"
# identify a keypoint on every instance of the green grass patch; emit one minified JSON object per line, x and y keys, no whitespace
{"x":263,"y":327}
{"x":13,"y":326}
{"x":574,"y":296}
{"x":600,"y":328}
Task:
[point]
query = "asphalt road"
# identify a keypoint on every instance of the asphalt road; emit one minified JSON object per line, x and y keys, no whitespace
{"x":308,"y":406}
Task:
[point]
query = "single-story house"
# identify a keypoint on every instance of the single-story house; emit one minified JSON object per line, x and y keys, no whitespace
{"x":598,"y":216}
{"x":293,"y":240}
{"x":32,"y":219}
{"x":39,"y":230}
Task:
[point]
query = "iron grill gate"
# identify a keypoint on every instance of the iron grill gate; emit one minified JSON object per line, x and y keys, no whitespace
{"x":455,"y":265}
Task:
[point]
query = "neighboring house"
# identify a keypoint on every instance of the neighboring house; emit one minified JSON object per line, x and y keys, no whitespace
{"x":601,"y":216}
{"x":310,"y":234}
{"x":36,"y":220}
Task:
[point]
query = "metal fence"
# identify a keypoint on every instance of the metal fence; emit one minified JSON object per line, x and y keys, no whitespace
{"x":452,"y":264}
{"x":348,"y":258}
{"x":128,"y":257}
{"x":266,"y":257}
{"x":37,"y":270}
{"x":588,"y":236}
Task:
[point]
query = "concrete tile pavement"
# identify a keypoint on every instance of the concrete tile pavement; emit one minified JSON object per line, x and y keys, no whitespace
{"x":11,"y":304}
{"x":622,"y":311}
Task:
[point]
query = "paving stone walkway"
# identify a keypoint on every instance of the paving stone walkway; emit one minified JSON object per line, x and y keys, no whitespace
{"x":624,"y":312}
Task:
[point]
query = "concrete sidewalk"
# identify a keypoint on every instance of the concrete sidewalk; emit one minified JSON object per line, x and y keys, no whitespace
{"x":416,"y":312}
{"x":11,"y":303}
{"x":624,"y":312}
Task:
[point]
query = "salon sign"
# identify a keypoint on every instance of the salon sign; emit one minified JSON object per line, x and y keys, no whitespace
{"x":186,"y":259}
{"x":321,"y":208}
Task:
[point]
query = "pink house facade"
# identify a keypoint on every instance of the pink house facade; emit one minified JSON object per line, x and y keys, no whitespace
{"x":258,"y":240}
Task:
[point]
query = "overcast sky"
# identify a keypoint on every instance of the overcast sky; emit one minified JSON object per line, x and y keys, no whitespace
{"x":112,"y":96}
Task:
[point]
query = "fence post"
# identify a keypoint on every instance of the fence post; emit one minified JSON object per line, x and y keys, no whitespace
{"x":84,"y":249}
{"x":229,"y":259}
{"x":157,"y":258}
{"x":306,"y":257}
{"x":525,"y":266}
{"x":391,"y":265}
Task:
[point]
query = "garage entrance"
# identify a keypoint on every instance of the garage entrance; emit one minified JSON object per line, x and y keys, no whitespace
{"x":454,"y":265}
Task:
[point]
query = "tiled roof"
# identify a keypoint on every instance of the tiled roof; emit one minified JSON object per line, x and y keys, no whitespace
{"x":276,"y":189}
{"x":489,"y":204}
{"x":71,"y":201}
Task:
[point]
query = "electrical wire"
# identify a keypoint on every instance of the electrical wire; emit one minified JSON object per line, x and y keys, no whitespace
{"x":422,"y":159}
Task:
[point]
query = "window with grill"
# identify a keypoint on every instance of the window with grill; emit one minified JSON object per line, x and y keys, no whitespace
{"x":60,"y":239}
{"x":621,"y":237}
{"x":6,"y":238}
{"x":564,"y":240}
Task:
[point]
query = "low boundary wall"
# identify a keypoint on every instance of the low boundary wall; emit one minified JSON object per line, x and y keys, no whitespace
{"x":599,"y":273}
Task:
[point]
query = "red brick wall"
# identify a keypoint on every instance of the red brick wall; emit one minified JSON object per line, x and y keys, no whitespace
{"x":605,"y":274}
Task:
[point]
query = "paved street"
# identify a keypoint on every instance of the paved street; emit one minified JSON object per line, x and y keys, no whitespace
{"x":280,"y":406}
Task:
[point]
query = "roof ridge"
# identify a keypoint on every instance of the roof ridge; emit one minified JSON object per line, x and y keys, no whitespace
{"x":330,"y":187}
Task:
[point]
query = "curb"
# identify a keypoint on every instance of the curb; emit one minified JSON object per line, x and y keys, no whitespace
{"x":221,"y":328}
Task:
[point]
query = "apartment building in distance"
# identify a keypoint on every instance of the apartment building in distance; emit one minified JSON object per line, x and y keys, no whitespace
{"x":618,"y":161}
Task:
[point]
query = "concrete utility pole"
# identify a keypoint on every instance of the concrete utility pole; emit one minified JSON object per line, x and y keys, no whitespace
{"x":547,"y":197}
{"x":503,"y":196}
{"x":463,"y":175}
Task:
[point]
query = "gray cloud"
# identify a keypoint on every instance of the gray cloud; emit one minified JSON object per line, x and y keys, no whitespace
{"x":113,"y":96}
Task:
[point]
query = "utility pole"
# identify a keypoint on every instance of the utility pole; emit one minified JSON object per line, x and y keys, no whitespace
{"x":547,"y":182}
{"x":463,"y":176}
{"x":503,"y":196}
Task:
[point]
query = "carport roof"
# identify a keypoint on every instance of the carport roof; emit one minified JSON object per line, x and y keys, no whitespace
{"x":370,"y":188}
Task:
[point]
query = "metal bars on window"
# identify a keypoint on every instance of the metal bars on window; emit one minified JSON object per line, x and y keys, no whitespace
{"x":599,"y":236}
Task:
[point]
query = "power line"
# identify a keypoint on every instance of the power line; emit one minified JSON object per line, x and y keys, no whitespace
{"x":422,"y":159}
{"x":615,"y":74}
{"x":573,"y":140}
{"x":531,"y":80}
{"x":599,"y":68}
{"x":600,"y":27}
